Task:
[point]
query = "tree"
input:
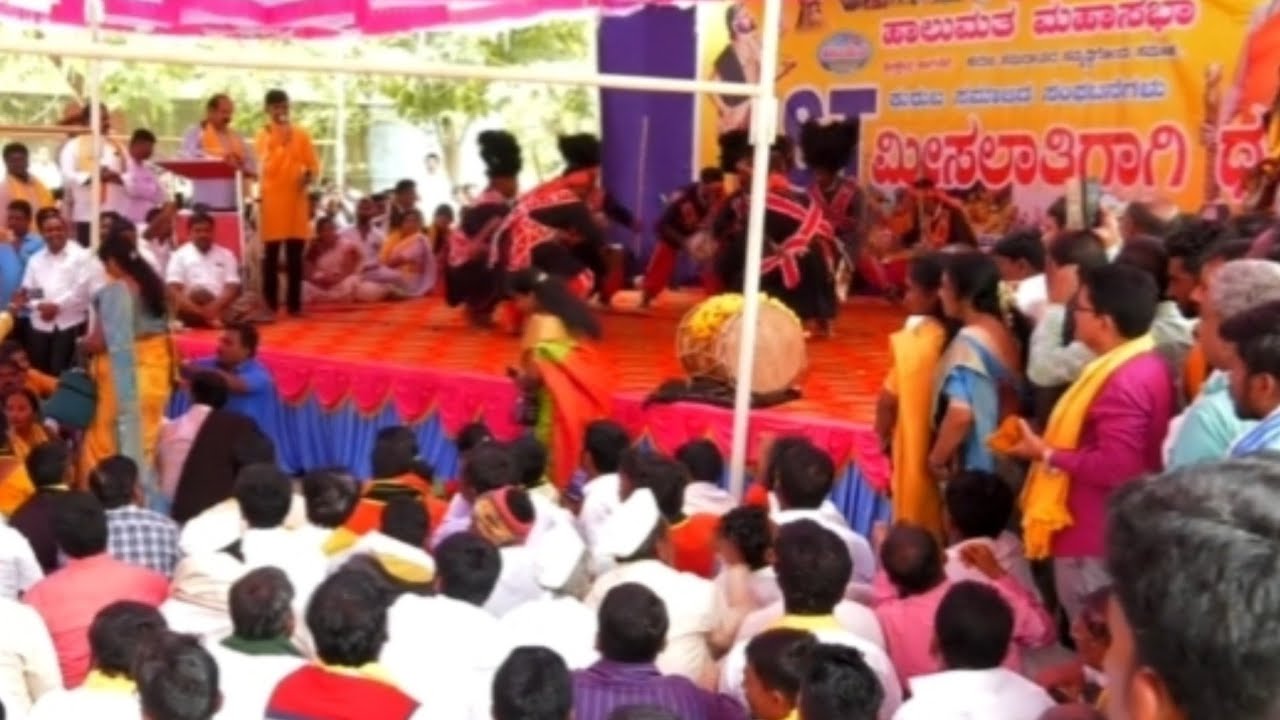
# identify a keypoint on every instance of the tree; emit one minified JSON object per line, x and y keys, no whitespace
{"x":450,"y":107}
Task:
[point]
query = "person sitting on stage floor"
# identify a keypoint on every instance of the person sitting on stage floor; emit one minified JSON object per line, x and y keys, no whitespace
{"x":685,"y":216}
{"x":406,"y":266}
{"x":332,"y":266}
{"x":249,"y":384}
{"x":560,"y":364}
{"x":365,"y":233}
{"x":828,"y":151}
{"x":794,"y":269}
{"x":469,"y":277}
{"x":204,"y":278}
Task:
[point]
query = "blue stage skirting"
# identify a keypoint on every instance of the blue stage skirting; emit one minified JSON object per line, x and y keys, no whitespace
{"x":307,"y":437}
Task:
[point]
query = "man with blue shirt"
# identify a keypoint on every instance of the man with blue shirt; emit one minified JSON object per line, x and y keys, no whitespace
{"x":1210,"y":424}
{"x":251,"y":389}
{"x":18,"y":242}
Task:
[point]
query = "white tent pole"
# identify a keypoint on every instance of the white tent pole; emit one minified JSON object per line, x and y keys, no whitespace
{"x":340,"y":135}
{"x":244,"y":58}
{"x":764,"y":120}
{"x":92,"y":9}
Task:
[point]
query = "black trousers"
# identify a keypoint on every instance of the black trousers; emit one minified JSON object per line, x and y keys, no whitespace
{"x":84,"y":233}
{"x":53,"y":352}
{"x":293,"y":274}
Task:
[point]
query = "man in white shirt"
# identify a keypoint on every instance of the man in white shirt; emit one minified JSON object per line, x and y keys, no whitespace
{"x":18,"y":567}
{"x":604,"y":443}
{"x":28,"y":662}
{"x":265,"y":495}
{"x":1020,"y":258}
{"x":197,"y":602}
{"x":447,"y":641}
{"x":78,"y":165}
{"x":813,"y":570}
{"x":365,"y":233}
{"x":108,"y":692}
{"x":142,"y":189}
{"x":636,"y":537}
{"x":55,"y":288}
{"x":215,"y":139}
{"x":259,"y":653}
{"x":974,"y":627}
{"x":203,"y":277}
{"x":559,"y":620}
{"x":705,"y":464}
{"x":805,"y":476}
{"x":979,"y":506}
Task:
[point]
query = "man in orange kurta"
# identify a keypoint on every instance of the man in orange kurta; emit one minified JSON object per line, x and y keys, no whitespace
{"x":289,"y":166}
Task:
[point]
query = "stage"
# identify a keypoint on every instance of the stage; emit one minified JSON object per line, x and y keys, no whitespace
{"x":342,"y":372}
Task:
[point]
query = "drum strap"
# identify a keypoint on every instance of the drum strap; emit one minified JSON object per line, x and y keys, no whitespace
{"x":786,"y":257}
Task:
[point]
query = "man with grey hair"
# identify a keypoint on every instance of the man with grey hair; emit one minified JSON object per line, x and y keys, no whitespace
{"x":259,"y":652}
{"x":1206,"y":430}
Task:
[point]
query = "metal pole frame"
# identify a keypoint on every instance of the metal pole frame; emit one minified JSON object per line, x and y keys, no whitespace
{"x":93,"y":12}
{"x":764,"y":127}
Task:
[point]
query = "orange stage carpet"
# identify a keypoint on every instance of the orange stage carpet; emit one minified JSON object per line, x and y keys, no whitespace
{"x":422,"y":356}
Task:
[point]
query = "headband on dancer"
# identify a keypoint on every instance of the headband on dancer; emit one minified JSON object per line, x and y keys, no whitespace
{"x":500,"y":153}
{"x":828,"y":146}
{"x":580,"y":152}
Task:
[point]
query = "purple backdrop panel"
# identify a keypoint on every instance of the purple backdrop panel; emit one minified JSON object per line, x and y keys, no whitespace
{"x":659,"y":42}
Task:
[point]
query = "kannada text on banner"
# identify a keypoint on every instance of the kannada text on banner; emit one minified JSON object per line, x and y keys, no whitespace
{"x":1154,"y":98}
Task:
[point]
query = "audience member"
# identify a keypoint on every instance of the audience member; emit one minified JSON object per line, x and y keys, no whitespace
{"x":330,"y":495}
{"x":505,"y":517}
{"x":979,"y":507}
{"x":250,"y":389}
{"x":744,"y":544}
{"x":636,"y":536}
{"x":48,"y":466}
{"x":397,"y":546}
{"x":69,"y":599}
{"x":259,"y":653}
{"x":705,"y":466}
{"x":19,"y":569}
{"x":558,"y":620}
{"x":109,"y":690}
{"x":197,"y":602}
{"x":1255,"y":376}
{"x":839,"y":686}
{"x":777,"y":663}
{"x":692,"y":536}
{"x":489,"y":467}
{"x":633,"y":628}
{"x":28,"y":662}
{"x":347,"y":617}
{"x":265,"y":496}
{"x":177,"y":679}
{"x":603,"y":445}
{"x":1193,"y":620}
{"x":533,"y":683}
{"x":973,"y":630}
{"x":395,"y":473}
{"x":135,"y":534}
{"x":813,"y":569}
{"x":1020,"y":258}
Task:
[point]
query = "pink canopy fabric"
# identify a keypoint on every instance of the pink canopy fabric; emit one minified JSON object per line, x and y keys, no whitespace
{"x":307,"y":18}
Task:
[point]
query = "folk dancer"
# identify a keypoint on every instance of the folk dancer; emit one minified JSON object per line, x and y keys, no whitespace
{"x":828,"y":150}
{"x":796,"y":231}
{"x":551,"y":228}
{"x":289,"y":166}
{"x":684,"y":224}
{"x":469,"y":279}
{"x":581,"y":155}
{"x":78,"y":165}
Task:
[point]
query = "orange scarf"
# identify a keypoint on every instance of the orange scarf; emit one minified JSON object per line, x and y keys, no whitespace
{"x":34,"y":192}
{"x":87,"y":163}
{"x":214,"y":144}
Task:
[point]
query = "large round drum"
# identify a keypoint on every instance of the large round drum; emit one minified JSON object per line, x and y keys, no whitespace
{"x":709,"y":337}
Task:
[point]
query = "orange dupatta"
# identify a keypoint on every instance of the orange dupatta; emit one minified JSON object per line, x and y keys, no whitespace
{"x":215,"y":145}
{"x":16,"y":486}
{"x":34,"y":192}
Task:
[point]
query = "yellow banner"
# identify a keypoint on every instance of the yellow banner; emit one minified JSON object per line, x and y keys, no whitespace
{"x":1153,"y":98}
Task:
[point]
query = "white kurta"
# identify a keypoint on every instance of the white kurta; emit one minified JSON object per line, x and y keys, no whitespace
{"x":28,"y":663}
{"x":864,"y":559}
{"x":18,"y":567}
{"x":996,"y":694}
{"x":247,"y":681}
{"x":517,"y":582}
{"x":85,"y":702}
{"x":563,"y":624}
{"x":855,"y":618}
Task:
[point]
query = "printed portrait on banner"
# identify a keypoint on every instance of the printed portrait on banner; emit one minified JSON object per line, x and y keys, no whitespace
{"x":1002,"y":102}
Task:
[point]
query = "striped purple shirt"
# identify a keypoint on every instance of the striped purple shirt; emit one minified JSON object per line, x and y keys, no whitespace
{"x":608,"y":685}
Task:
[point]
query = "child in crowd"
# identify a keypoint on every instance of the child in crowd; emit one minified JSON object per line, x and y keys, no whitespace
{"x":979,"y":506}
{"x":745,"y":538}
{"x":777,"y":661}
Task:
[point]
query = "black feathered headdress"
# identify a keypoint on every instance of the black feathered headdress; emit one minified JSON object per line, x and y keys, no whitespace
{"x":580,"y":152}
{"x":735,"y":146}
{"x":500,"y":153}
{"x":828,"y":146}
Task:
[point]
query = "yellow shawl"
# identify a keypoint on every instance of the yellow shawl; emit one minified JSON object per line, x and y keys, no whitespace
{"x":215,"y":145}
{"x":85,"y":161}
{"x":33,"y":192}
{"x":1044,"y":498}
{"x":915,"y":352}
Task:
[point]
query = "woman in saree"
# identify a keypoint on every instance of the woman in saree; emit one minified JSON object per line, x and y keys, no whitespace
{"x":978,"y":380}
{"x":904,"y":412}
{"x":24,"y":432}
{"x":331,"y":266}
{"x":131,"y":361}
{"x":406,"y":264}
{"x":567,"y":383}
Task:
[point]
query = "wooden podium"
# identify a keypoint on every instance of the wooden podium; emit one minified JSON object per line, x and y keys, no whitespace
{"x":228,"y":226}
